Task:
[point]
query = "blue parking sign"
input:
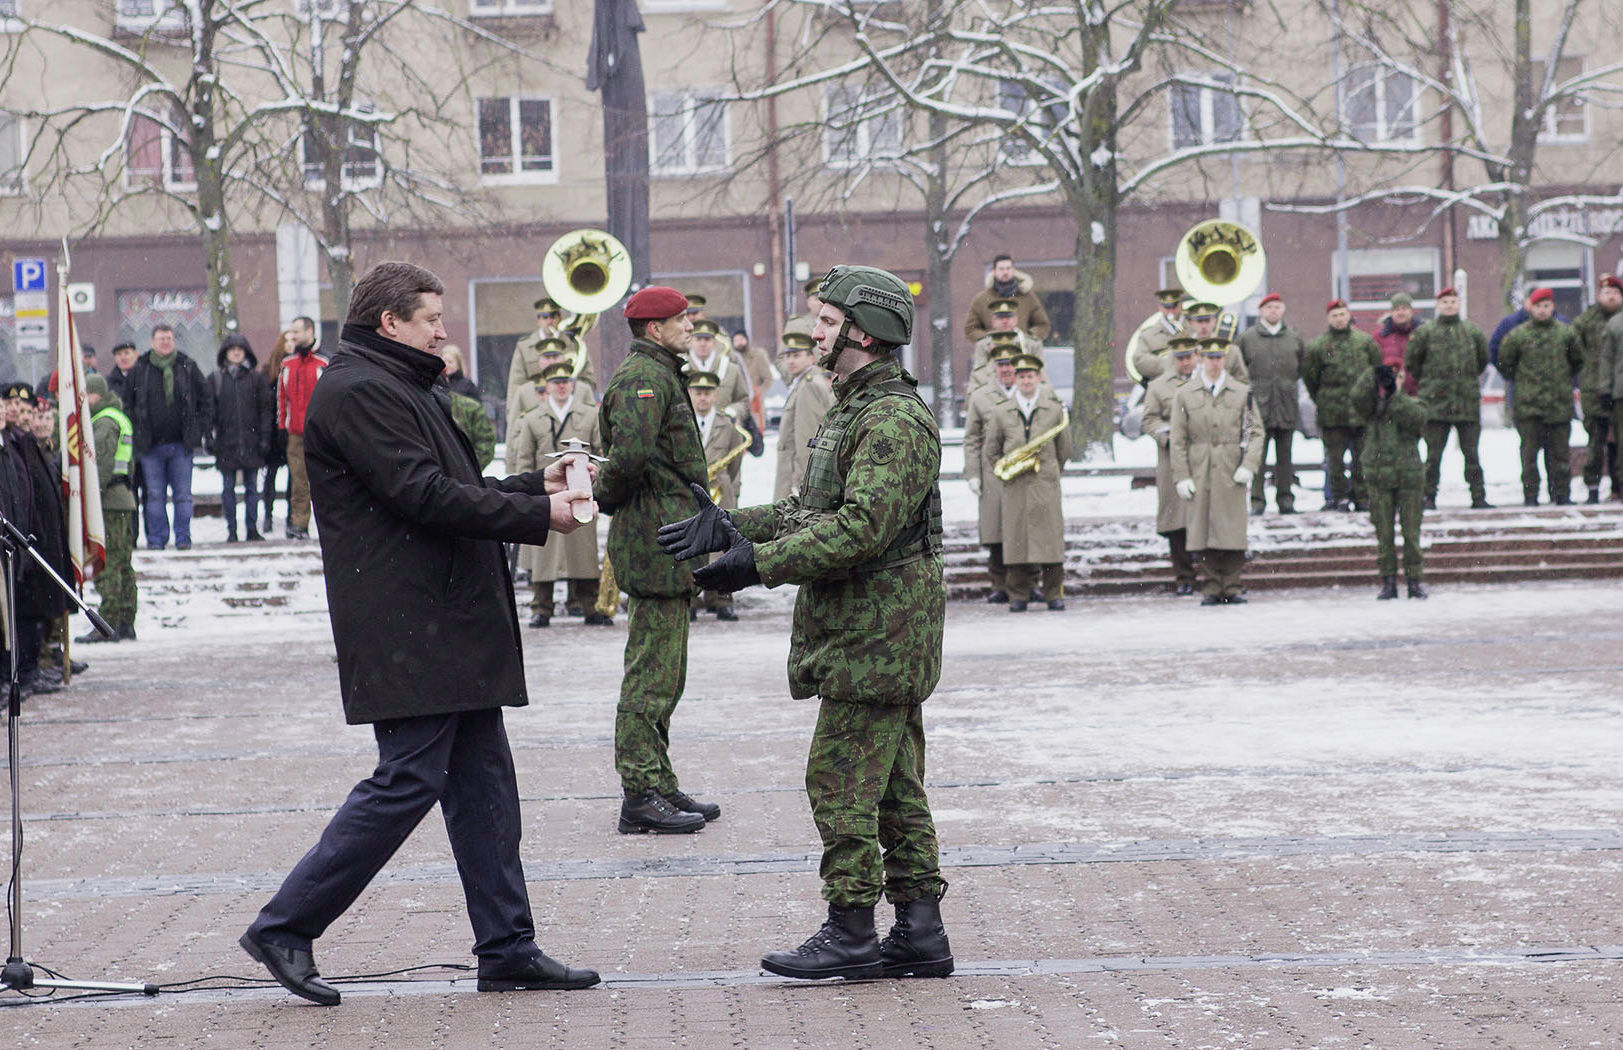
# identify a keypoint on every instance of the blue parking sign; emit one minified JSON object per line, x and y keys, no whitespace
{"x":28,"y":275}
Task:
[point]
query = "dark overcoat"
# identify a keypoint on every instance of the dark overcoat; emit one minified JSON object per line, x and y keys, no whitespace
{"x":244,"y":415}
{"x":411,"y":539}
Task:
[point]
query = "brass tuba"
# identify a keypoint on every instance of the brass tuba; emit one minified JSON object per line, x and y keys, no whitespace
{"x":586,"y":271}
{"x":1221,"y":262}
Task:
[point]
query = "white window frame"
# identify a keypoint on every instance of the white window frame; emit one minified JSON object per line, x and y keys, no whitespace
{"x":167,"y":15}
{"x":861,"y":131}
{"x":1014,"y":149}
{"x":1381,"y":78}
{"x":20,"y":186}
{"x":667,"y":7}
{"x":518,"y":176}
{"x":1380,"y":262}
{"x":9,"y":20}
{"x":508,"y":8}
{"x":313,"y":179}
{"x":687,"y":104}
{"x":166,"y":158}
{"x":1208,"y":112}
{"x":1549,"y":132}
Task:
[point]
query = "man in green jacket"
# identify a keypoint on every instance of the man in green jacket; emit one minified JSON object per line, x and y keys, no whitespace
{"x":115,"y":455}
{"x":647,"y":424}
{"x":1542,"y":357}
{"x":862,"y":538}
{"x":1273,"y":352}
{"x":1332,"y":364}
{"x":1445,"y":357}
{"x":1393,"y":477}
{"x":1594,"y":387}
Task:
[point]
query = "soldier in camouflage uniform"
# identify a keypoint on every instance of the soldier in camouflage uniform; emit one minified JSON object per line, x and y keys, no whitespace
{"x":1331,"y":366}
{"x":1393,"y":478}
{"x":1445,"y":357}
{"x":863,"y":540}
{"x":647,"y":425}
{"x":470,"y":418}
{"x":1542,"y":357}
{"x":115,"y":454}
{"x":1601,"y":457}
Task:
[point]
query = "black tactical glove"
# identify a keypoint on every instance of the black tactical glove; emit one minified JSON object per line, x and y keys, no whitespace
{"x":757,"y":439}
{"x":701,"y":534}
{"x":1606,"y":404}
{"x":1386,"y":380}
{"x":734,"y":570}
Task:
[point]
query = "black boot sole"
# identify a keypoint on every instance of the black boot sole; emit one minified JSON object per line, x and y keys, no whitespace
{"x":858,"y":972}
{"x":920,"y":968}
{"x":497,"y":984}
{"x":633,"y":827}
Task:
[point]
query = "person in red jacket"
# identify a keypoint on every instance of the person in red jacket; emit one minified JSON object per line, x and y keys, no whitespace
{"x":300,"y":370}
{"x":1392,"y":336}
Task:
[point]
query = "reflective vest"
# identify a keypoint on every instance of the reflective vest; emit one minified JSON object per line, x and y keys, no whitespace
{"x":124,"y":455}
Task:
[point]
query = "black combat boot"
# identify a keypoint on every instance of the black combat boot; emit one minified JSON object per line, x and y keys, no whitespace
{"x":681,"y":800}
{"x":1415,"y":589}
{"x":1389,"y":588}
{"x":998,"y":597}
{"x":917,"y":945}
{"x":846,"y":946}
{"x":649,"y":812}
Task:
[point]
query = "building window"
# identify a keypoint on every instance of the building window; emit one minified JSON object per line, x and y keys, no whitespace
{"x":8,"y":11}
{"x":362,"y":167}
{"x":688,"y":133}
{"x":1377,"y":274}
{"x":157,"y":156}
{"x":1203,"y":114}
{"x":1565,"y":120}
{"x":859,"y":127}
{"x":1380,"y":105}
{"x":139,"y":16}
{"x":515,"y":138}
{"x":509,"y":8}
{"x":1561,"y":267}
{"x":12,"y":153}
{"x":1016,"y":98}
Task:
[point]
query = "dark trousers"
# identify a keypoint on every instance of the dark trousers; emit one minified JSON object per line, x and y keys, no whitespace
{"x":995,"y":570}
{"x":1551,"y":439}
{"x":461,"y":761}
{"x":1222,"y":568}
{"x":1339,"y":443}
{"x":1022,"y":580}
{"x":1284,"y":471}
{"x":1601,"y":455}
{"x":1470,"y":434}
{"x":1183,"y":563}
{"x":250,"y":499}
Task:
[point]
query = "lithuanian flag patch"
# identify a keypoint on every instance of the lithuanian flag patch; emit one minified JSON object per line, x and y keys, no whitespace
{"x":645,"y":393}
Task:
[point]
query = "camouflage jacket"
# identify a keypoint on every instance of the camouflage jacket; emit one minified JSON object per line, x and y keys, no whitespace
{"x":1331,"y":366}
{"x":1392,"y":429}
{"x":1590,"y":326}
{"x":647,"y":424}
{"x":470,"y":418}
{"x":1611,"y":357}
{"x":1542,"y":358}
{"x":860,"y":635}
{"x":1446,"y":355}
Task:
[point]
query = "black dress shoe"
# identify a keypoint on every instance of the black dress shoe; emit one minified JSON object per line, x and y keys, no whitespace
{"x":649,"y":812}
{"x":725,"y":612}
{"x":998,"y":597}
{"x":293,"y":968}
{"x":1184,"y":589}
{"x":1234,"y":599}
{"x":597,"y":619}
{"x":93,"y":637}
{"x":1211,"y":599}
{"x":688,"y":804}
{"x":1481,"y":504}
{"x":538,"y":973}
{"x":541,"y":620}
{"x":1017,"y":605}
{"x":254,"y":537}
{"x":1057,"y":604}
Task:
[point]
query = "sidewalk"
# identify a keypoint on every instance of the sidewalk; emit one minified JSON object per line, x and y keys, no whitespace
{"x":1312,"y":821}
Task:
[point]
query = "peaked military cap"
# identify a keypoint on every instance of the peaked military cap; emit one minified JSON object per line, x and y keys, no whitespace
{"x":1214,"y":347}
{"x":547,"y":305}
{"x":798,"y":341}
{"x":558,"y":370}
{"x":1182,"y":345}
{"x":552,"y":345}
{"x":1203,"y":309}
{"x":706,"y":327}
{"x":703,"y":381}
{"x":1004,"y":338}
{"x":1169,"y":296}
{"x":1028,"y":363}
{"x":1005,"y":306}
{"x":20,"y":391}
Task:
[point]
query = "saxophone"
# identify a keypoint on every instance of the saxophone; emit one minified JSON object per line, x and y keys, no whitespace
{"x":1019,"y":461}
{"x":726,"y":461}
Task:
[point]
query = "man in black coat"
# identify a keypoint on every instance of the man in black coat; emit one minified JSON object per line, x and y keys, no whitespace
{"x":172,"y":410}
{"x":36,"y":509}
{"x":411,"y":543}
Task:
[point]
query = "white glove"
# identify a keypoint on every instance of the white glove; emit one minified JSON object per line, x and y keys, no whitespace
{"x":974,"y":486}
{"x":1186,"y":488}
{"x":1243,"y":475}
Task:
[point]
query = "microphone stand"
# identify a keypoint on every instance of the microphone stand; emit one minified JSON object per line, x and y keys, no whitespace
{"x":18,"y":974}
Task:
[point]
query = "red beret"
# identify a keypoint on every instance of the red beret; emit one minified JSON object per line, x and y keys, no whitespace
{"x":1450,"y":290}
{"x":1335,"y":304}
{"x":1271,"y":297}
{"x":1538,"y":295}
{"x":1611,"y":280}
{"x":655,"y":303}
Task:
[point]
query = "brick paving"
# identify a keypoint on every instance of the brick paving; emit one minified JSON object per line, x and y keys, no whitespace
{"x":1285,"y":826}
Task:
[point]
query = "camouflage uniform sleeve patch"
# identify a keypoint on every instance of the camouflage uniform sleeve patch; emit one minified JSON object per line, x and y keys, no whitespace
{"x":884,"y":449}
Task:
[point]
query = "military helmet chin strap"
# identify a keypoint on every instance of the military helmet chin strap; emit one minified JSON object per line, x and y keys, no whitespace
{"x":841,"y":343}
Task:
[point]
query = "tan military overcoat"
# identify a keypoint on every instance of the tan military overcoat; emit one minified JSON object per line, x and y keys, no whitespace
{"x":1172,"y":510}
{"x":1211,"y":437}
{"x":537,"y":434}
{"x":1033,"y":525}
{"x":809,"y":399}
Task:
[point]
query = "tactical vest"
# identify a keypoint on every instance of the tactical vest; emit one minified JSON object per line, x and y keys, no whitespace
{"x":124,"y":454}
{"x":823,"y":491}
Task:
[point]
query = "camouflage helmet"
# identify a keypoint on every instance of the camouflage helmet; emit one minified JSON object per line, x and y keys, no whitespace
{"x":876,"y":301}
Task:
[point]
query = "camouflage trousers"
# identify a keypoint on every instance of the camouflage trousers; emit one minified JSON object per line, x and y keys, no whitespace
{"x":1470,"y":435}
{"x":865,"y":778}
{"x":116,"y":581}
{"x":1340,"y":443}
{"x":1600,"y":456}
{"x":1552,"y":440}
{"x":656,"y":670}
{"x":1390,"y":508}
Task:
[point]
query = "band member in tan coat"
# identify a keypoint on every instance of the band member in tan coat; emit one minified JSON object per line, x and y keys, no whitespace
{"x":539,"y":433}
{"x":1032,"y":509}
{"x":529,"y":358}
{"x":810,"y":396}
{"x":981,"y":405}
{"x":1172,"y":510}
{"x":719,"y":434}
{"x":1216,"y":451}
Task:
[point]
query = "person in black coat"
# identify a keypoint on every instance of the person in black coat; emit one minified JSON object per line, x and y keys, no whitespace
{"x":244,"y":419}
{"x":427,"y":637}
{"x":36,"y":509}
{"x":171,"y":407}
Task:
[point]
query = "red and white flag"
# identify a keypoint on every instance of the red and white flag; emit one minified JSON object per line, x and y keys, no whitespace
{"x":87,"y":533}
